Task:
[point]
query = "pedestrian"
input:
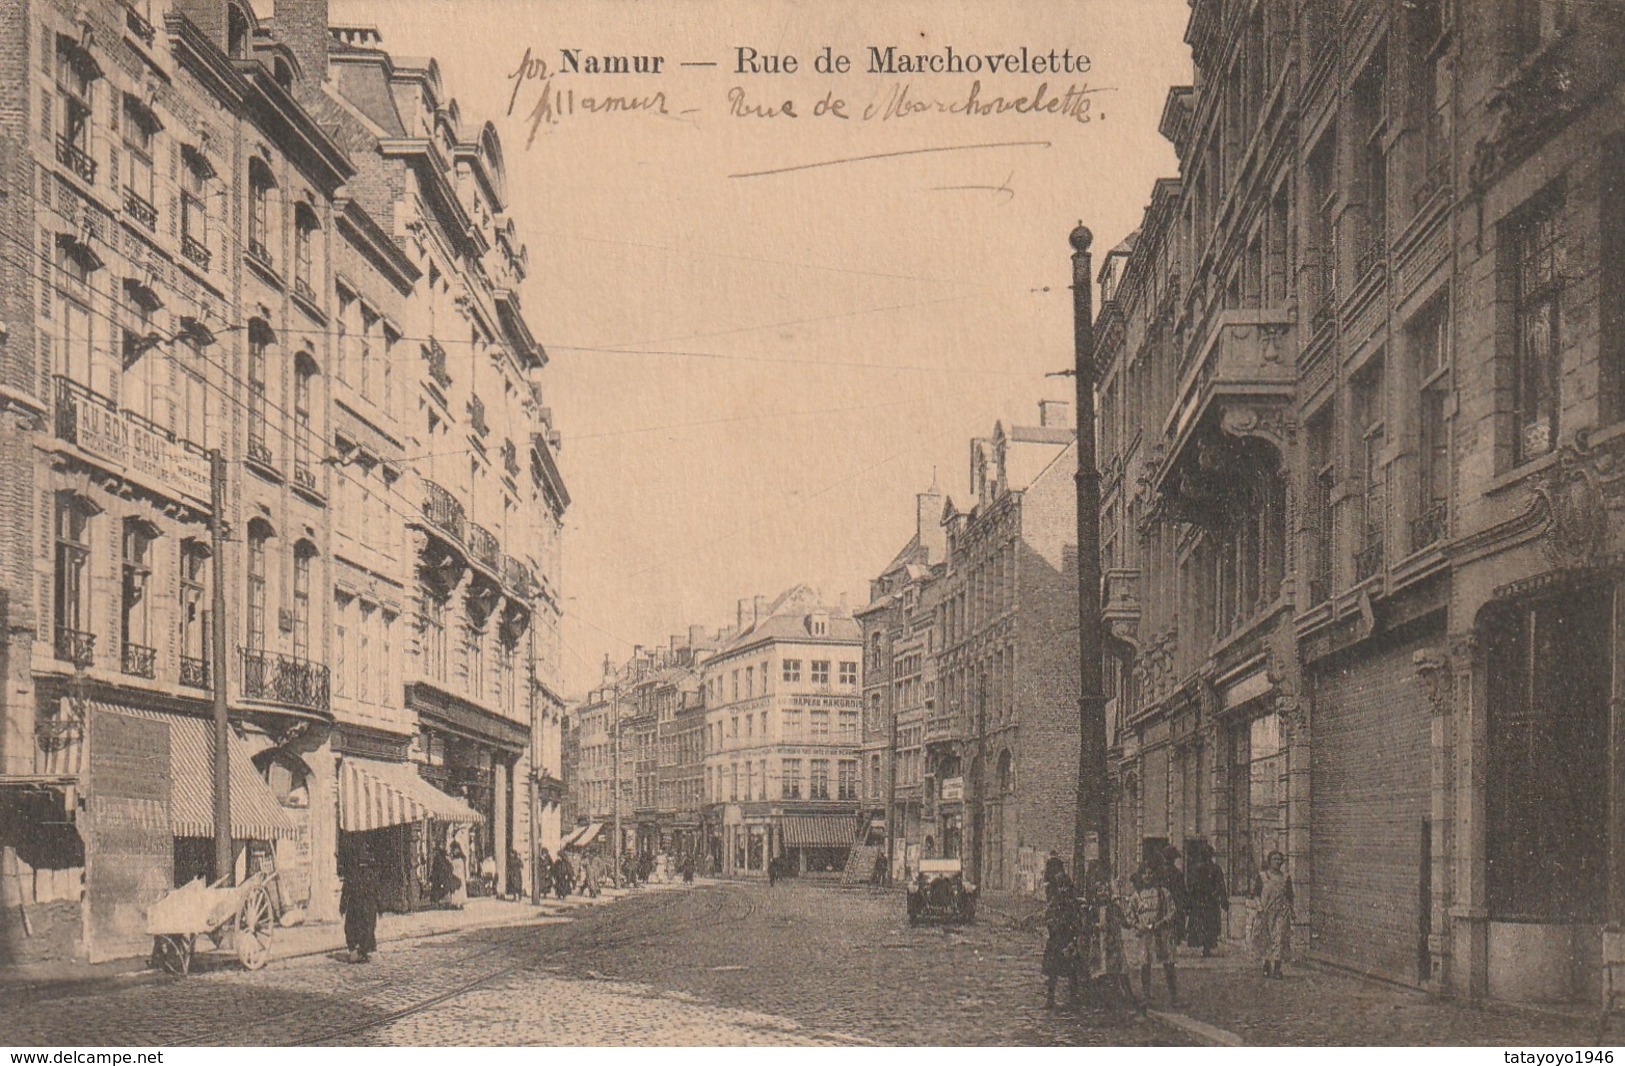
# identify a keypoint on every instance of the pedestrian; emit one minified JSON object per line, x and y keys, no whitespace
{"x":441,"y":877}
{"x":516,"y":875}
{"x":358,"y":902}
{"x":544,"y":875}
{"x":563,"y":877}
{"x":1053,"y":868}
{"x":1061,"y":924}
{"x":458,"y":894}
{"x":1105,"y":961}
{"x":1151,"y":912}
{"x":589,"y":877}
{"x":772,"y":872}
{"x":1208,"y":895}
{"x":688,"y":868}
{"x":1173,"y":879}
{"x":1271,"y":931}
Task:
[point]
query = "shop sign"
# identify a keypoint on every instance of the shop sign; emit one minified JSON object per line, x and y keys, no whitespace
{"x":953,"y":789}
{"x":119,"y":438}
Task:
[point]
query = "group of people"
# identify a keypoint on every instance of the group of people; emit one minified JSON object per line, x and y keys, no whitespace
{"x":1100,"y":934}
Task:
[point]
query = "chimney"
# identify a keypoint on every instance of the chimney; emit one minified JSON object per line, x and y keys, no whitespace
{"x":696,"y":636}
{"x":637,"y":651}
{"x":928,"y":522}
{"x":609,"y":671}
{"x":758,"y":608}
{"x":739,"y":621}
{"x":302,"y":26}
{"x":1055,"y":414}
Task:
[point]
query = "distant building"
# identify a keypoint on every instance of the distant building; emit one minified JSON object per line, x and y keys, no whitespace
{"x":783,"y":702}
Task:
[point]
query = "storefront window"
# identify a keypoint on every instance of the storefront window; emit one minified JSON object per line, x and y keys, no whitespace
{"x":1257,"y":819}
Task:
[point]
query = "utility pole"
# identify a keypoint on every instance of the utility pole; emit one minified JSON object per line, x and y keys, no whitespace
{"x":615,"y":744}
{"x":1090,"y":841}
{"x":891,"y":789}
{"x":223,"y":864}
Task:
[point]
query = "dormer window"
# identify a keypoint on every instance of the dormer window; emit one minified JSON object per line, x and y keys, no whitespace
{"x":236,"y":32}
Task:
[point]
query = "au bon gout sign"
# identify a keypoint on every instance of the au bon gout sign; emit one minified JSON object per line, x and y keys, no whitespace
{"x":146,"y":453}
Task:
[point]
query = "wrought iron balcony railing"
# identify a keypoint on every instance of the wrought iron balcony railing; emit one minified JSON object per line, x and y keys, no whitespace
{"x":476,"y":416}
{"x":1368,"y":560}
{"x":1431,"y":526}
{"x":194,"y":672}
{"x":484,"y":547}
{"x":1371,"y":256}
{"x":443,"y":511}
{"x":140,"y":208}
{"x":436,"y":355}
{"x":516,"y":575}
{"x":75,"y":158}
{"x":137,"y":24}
{"x":75,"y":646}
{"x":139,"y":661}
{"x":275,"y":678}
{"x":195,"y":250}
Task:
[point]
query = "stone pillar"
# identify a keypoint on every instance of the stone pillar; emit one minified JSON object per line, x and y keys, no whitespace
{"x":499,"y":831}
{"x":1295,"y":738}
{"x":1469,"y":908}
{"x":324,"y":833}
{"x":1435,"y":672}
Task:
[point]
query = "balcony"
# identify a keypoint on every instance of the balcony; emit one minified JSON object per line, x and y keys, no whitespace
{"x":260,"y":452}
{"x":942,"y":726}
{"x":476,"y":416}
{"x":139,"y":661}
{"x":260,"y":255}
{"x":129,"y":442}
{"x":194,"y":672}
{"x":302,"y":289}
{"x":75,"y":159}
{"x":1431,"y":526}
{"x":304,"y":476}
{"x":516,"y":575}
{"x":269,"y":677}
{"x":1371,"y":257}
{"x":1368,"y":560}
{"x":75,"y":646}
{"x":435,"y":355}
{"x":443,"y":511}
{"x":195,"y":250}
{"x":140,"y":208}
{"x":138,"y":25}
{"x":483,"y":545}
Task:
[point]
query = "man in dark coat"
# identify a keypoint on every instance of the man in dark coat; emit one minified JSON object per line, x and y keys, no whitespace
{"x":358,"y":902}
{"x":1061,"y":920}
{"x":563,"y":877}
{"x":1209,"y":896}
{"x":1173,"y":879}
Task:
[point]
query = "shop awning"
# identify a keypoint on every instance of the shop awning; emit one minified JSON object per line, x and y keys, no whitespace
{"x":819,"y":831}
{"x":586,"y":836}
{"x":255,"y":812}
{"x":570,"y":837}
{"x":375,"y":795}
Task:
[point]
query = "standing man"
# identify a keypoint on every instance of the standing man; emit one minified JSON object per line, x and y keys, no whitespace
{"x":358,"y":902}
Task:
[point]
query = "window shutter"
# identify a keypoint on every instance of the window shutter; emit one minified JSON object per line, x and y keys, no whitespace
{"x":47,"y":48}
{"x":46,"y":102}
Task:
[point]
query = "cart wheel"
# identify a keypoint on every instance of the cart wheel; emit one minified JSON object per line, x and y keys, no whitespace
{"x":174,"y":953}
{"x":254,"y":925}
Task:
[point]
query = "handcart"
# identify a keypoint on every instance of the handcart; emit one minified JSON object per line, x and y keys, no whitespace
{"x":239,"y":916}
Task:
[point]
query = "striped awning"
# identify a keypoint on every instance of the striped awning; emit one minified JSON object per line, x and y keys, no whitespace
{"x":588,"y":835}
{"x":819,"y":831}
{"x":570,"y":837}
{"x":255,"y":812}
{"x":375,"y":795}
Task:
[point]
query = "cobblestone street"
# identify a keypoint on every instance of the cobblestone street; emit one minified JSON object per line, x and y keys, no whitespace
{"x":733,"y":964}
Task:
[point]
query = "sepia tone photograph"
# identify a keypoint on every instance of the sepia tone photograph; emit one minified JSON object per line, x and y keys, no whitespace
{"x":596,"y":523}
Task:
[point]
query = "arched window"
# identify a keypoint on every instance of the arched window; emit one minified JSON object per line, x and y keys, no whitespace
{"x":1007,"y":772}
{"x":304,"y":435}
{"x":259,"y":533}
{"x":136,"y":655}
{"x":305,"y":228}
{"x":259,"y":339}
{"x":260,"y":228}
{"x":236,"y":32}
{"x":304,"y":553}
{"x":74,"y":641}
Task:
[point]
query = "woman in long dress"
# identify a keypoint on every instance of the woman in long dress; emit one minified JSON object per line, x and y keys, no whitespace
{"x":1272,"y":922}
{"x":459,"y":876}
{"x":1152,"y":912}
{"x":1208,"y":896}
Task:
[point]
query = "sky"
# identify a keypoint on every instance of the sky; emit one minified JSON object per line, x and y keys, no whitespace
{"x":754,"y":373}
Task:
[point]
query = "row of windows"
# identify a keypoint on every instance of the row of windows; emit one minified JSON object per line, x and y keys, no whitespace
{"x":757,"y":725}
{"x":751,"y":681}
{"x":752,"y":780}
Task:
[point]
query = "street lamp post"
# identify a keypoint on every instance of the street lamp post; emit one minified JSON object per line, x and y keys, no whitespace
{"x":1090,"y":843}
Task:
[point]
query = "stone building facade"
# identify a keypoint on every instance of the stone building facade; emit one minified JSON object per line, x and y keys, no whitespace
{"x":1360,"y":385}
{"x":202,"y":256}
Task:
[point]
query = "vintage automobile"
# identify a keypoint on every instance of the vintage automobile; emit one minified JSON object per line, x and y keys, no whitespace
{"x":940,"y":895}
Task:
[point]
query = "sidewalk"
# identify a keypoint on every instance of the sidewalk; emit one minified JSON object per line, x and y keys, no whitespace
{"x":1227,"y":1001}
{"x":319,"y":938}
